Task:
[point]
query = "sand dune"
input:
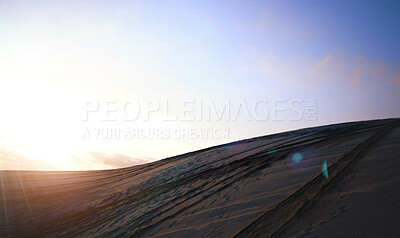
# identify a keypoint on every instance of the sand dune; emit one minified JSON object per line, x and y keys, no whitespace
{"x":265,"y":186}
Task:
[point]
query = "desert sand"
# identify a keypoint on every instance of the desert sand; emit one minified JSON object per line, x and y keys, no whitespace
{"x":330,"y":181}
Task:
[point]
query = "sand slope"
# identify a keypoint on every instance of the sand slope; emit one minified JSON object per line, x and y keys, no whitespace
{"x":247,"y":188}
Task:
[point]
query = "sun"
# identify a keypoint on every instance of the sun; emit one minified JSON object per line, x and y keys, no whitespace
{"x":42,"y":137}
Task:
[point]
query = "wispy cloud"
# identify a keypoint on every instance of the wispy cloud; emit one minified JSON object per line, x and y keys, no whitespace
{"x":13,"y":160}
{"x":396,"y":80}
{"x":338,"y":69}
{"x":117,"y":160}
{"x":10,"y":159}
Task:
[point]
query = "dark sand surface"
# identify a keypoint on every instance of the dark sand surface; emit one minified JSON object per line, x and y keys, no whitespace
{"x":248,"y":188}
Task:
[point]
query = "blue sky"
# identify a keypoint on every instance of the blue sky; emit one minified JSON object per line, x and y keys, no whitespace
{"x":55,"y":55}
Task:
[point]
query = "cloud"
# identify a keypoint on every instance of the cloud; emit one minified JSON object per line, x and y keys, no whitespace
{"x":117,"y":160}
{"x":13,"y":160}
{"x":355,"y":72}
{"x":396,"y":80}
{"x":10,"y":159}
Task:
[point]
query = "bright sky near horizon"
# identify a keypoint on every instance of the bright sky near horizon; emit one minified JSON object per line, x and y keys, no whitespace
{"x":61,"y":59}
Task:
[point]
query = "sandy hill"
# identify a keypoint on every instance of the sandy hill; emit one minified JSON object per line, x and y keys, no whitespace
{"x":336,"y":180}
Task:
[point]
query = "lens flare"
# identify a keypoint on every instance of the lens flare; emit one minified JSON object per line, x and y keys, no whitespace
{"x":325,"y":170}
{"x":297,"y":157}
